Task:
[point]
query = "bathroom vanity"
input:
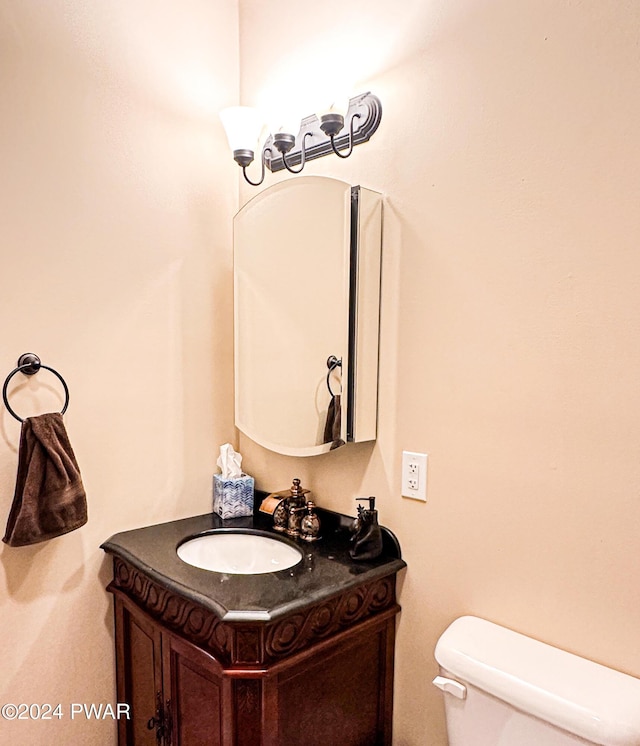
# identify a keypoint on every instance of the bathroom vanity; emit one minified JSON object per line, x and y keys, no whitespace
{"x":300,"y":656}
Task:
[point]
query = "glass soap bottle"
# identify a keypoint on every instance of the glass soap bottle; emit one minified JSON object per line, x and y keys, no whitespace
{"x":310,"y":523}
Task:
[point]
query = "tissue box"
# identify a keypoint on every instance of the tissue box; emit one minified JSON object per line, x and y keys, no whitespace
{"x":233,"y":498}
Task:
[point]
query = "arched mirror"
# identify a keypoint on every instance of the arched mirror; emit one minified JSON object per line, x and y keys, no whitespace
{"x":307,"y":297}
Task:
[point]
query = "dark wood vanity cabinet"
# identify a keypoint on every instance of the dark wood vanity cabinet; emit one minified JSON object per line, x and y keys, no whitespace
{"x":320,"y":676}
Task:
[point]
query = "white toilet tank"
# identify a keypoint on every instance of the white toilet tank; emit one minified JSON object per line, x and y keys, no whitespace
{"x":505,"y":689}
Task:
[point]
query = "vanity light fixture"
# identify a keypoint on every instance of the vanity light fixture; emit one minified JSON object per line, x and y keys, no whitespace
{"x":318,"y":135}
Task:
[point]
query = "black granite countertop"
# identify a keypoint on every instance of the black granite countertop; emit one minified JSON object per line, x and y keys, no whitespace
{"x":325,"y":570}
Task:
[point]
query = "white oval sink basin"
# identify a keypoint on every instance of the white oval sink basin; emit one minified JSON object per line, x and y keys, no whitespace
{"x":239,"y":553}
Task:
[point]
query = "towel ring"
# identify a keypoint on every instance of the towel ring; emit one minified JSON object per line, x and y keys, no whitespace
{"x":29,"y":364}
{"x":332,"y":363}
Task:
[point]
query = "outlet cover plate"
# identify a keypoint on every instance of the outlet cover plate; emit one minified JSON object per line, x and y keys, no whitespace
{"x":414,"y":475}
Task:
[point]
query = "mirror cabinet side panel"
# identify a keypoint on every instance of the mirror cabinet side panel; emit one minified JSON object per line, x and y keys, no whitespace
{"x":366,"y":260}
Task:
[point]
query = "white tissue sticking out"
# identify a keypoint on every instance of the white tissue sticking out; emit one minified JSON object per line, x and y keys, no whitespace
{"x":229,"y":462}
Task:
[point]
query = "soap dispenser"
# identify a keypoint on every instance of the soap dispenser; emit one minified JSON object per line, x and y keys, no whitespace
{"x":367,"y":537}
{"x":310,"y":524}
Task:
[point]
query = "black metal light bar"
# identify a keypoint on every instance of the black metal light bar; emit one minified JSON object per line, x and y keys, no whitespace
{"x":363,"y":117}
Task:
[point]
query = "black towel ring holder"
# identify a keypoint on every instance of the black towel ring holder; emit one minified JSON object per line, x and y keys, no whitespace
{"x":29,"y":364}
{"x":332,"y":363}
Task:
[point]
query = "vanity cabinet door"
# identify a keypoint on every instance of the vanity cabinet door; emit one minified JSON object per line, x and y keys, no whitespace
{"x":193,"y":681}
{"x":139,"y":675}
{"x":342,"y":693}
{"x":177,"y":692}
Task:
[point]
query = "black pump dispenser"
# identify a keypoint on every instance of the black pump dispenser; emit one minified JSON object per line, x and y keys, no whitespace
{"x":367,"y":537}
{"x":372,"y":502}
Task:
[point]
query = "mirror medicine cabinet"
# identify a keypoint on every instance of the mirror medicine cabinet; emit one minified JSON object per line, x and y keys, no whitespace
{"x":307,"y":256}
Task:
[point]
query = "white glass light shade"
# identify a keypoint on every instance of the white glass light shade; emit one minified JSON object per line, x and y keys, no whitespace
{"x":243,"y":125}
{"x":339,"y":105}
{"x":285,"y":120}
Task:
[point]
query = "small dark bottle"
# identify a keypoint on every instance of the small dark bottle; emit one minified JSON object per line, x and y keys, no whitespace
{"x":366,"y":540}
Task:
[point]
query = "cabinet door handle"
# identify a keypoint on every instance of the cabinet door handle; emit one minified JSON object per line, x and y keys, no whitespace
{"x":167,"y":727}
{"x":157,"y":721}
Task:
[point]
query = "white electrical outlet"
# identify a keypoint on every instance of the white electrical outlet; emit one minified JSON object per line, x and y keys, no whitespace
{"x":414,"y":475}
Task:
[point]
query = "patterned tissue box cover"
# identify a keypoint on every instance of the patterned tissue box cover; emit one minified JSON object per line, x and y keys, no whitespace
{"x":233,"y":498}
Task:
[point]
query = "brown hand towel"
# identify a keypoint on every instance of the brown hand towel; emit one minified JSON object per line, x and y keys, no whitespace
{"x":49,"y":500}
{"x":333,"y":424}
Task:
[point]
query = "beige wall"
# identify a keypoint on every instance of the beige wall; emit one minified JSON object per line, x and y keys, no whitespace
{"x":508,"y":157}
{"x":509,"y":319}
{"x":116,"y":197}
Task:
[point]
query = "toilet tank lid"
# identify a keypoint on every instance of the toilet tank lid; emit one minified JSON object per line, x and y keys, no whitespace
{"x":582,"y":697}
